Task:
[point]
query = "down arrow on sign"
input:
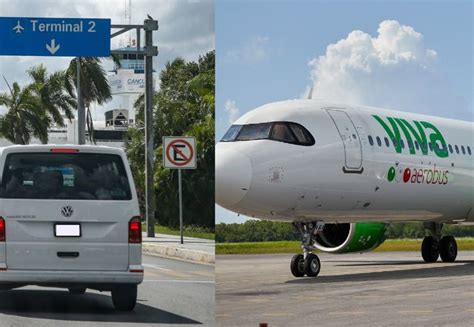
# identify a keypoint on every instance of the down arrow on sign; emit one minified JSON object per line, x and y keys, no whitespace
{"x":53,"y":47}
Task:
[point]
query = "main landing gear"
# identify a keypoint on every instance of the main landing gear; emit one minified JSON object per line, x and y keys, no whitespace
{"x":307,"y":263}
{"x":435,"y":246}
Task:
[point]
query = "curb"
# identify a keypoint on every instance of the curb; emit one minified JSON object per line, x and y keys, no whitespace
{"x":178,"y":252}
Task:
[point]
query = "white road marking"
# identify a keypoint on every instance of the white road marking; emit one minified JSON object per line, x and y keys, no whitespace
{"x":415,"y":311}
{"x":146,"y":265}
{"x":180,"y":281}
{"x":348,"y":313}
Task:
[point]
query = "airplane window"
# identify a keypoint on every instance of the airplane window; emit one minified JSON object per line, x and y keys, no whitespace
{"x":410,"y":144}
{"x":281,"y":132}
{"x":469,"y":150}
{"x":387,"y":143}
{"x":379,"y":142}
{"x":450,"y":148}
{"x":371,"y":140}
{"x":431,"y":146}
{"x":302,"y":135}
{"x":456,"y":148}
{"x":231,"y":134}
{"x":254,"y":132}
{"x":402,"y":144}
{"x":417,"y":146}
{"x":463,"y":150}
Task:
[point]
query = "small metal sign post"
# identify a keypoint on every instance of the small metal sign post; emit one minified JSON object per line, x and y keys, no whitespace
{"x":179,"y":153}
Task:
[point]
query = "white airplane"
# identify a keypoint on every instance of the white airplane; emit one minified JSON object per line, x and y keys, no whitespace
{"x":18,"y":28}
{"x":340,"y":173}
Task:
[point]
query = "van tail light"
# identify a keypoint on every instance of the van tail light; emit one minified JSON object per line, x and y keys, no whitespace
{"x":2,"y":230}
{"x":135,"y":230}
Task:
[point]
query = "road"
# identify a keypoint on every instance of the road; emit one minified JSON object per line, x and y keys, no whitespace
{"x":173,"y":293}
{"x":372,"y":289}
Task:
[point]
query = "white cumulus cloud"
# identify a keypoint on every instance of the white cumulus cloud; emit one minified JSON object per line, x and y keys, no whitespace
{"x":232,"y":111}
{"x":395,"y":69}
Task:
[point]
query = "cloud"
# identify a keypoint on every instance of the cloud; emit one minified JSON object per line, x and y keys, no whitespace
{"x":232,"y":111}
{"x":254,"y":50}
{"x":395,"y":70}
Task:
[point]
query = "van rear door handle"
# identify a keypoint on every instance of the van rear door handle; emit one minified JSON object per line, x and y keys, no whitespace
{"x":68,"y":254}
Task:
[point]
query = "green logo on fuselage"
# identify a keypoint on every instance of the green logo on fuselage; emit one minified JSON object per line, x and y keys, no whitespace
{"x":391,"y":174}
{"x":418,"y":133}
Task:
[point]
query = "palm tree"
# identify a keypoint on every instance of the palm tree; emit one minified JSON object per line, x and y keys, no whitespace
{"x":25,"y":117}
{"x":50,"y":89}
{"x":94,"y":84}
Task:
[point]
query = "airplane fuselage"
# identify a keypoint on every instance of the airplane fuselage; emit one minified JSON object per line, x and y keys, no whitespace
{"x":366,"y":164}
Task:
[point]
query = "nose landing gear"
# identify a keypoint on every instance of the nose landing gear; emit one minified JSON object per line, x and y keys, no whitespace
{"x":307,"y":263}
{"x":435,"y":246}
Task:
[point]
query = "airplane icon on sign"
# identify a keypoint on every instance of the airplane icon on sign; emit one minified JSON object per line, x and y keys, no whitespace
{"x":18,"y":28}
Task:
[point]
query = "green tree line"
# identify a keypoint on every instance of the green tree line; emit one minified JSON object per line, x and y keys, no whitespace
{"x":262,"y":231}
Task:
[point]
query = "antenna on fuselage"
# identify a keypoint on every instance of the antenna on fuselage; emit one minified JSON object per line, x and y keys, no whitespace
{"x":310,"y":94}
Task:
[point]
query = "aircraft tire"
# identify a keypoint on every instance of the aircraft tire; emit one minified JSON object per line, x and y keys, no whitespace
{"x":312,"y":265}
{"x":430,"y":249}
{"x":448,"y":249}
{"x":297,"y":265}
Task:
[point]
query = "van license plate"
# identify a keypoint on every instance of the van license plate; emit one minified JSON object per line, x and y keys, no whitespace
{"x":69,"y":230}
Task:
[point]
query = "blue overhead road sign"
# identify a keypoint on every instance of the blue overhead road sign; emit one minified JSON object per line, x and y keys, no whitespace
{"x":60,"y":37}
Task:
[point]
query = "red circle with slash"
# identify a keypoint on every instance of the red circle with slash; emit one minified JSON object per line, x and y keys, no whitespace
{"x":186,"y":159}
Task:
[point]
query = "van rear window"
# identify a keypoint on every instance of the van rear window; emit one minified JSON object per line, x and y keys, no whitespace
{"x":73,"y":176}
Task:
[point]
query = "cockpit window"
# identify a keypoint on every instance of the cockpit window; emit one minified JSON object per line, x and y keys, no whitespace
{"x":232,"y":133}
{"x":302,"y":135}
{"x":254,"y":132}
{"x":287,"y":132}
{"x":281,"y":132}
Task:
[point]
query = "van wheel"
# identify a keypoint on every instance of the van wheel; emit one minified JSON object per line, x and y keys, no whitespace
{"x":124,"y":297}
{"x":77,"y":290}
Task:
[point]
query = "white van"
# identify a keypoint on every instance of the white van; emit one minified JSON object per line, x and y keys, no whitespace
{"x":69,"y":217}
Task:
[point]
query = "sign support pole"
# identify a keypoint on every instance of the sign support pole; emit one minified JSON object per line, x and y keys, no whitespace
{"x":81,"y":115}
{"x":180,"y":190}
{"x":150,"y":51}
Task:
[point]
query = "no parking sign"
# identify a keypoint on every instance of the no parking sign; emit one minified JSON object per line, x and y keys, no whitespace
{"x":179,"y":152}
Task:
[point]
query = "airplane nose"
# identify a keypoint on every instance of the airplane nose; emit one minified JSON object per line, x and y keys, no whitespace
{"x":233,"y":176}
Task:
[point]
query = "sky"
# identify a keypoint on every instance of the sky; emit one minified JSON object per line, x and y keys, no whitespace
{"x":404,"y":55}
{"x":186,"y":28}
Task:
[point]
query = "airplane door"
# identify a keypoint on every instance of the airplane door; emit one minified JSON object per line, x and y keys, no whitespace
{"x":350,"y":139}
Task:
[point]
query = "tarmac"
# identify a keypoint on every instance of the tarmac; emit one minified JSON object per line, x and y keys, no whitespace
{"x":173,"y":293}
{"x":371,"y":289}
{"x":194,"y":249}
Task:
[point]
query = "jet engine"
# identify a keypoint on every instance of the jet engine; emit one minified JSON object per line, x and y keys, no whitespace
{"x":350,"y":237}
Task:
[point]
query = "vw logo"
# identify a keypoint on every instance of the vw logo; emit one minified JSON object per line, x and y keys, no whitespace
{"x":67,"y":211}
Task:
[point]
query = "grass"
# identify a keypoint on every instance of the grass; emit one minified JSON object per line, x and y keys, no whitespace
{"x":188,"y":232}
{"x":294,"y":246}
